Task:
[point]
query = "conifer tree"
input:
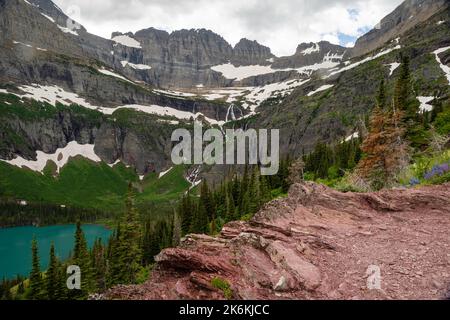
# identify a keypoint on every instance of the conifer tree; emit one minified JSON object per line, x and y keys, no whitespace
{"x":61,"y":281}
{"x":99,"y":264}
{"x":52,"y":275}
{"x":114,"y":267}
{"x":35,"y":284}
{"x":129,"y":246}
{"x":81,"y":258}
{"x":383,"y":147}
{"x":406,"y":106}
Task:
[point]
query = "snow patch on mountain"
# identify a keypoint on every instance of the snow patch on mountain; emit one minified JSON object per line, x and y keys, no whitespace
{"x":424,"y":103}
{"x":444,"y":68}
{"x":127,"y":41}
{"x":393,"y":67}
{"x":174,"y":93}
{"x":60,"y":157}
{"x":113,"y":74}
{"x":229,"y":71}
{"x":260,"y":94}
{"x":48,"y":17}
{"x":354,"y":135}
{"x":213,"y":96}
{"x":356,"y":64}
{"x":315,"y":48}
{"x":52,"y":95}
{"x":320,"y":89}
{"x":23,"y":44}
{"x":162,"y":174}
{"x":135,"y":66}
{"x":163,"y":111}
{"x":67,"y":30}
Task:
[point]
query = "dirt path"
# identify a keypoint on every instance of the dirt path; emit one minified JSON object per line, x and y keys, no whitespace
{"x":317,"y":244}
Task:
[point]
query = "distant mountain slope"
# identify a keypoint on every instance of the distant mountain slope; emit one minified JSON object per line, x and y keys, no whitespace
{"x":405,"y":17}
{"x":333,"y":105}
{"x":318,"y":94}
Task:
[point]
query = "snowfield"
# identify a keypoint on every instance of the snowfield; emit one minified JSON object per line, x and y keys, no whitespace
{"x":48,"y":17}
{"x":424,"y":103}
{"x":322,"y":88}
{"x":175,"y":93}
{"x":229,"y":71}
{"x":61,"y":157}
{"x":356,"y":64}
{"x":135,"y":66}
{"x":444,"y":68}
{"x":393,"y":67}
{"x":67,"y":30}
{"x":354,"y":135}
{"x":162,"y":111}
{"x":23,"y":44}
{"x":127,"y":41}
{"x":314,"y":48}
{"x":162,"y":174}
{"x":54,"y":94}
{"x":113,"y":74}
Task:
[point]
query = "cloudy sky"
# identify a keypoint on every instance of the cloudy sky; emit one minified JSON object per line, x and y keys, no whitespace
{"x":279,"y":24}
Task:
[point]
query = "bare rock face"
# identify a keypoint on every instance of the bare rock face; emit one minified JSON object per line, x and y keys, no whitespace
{"x":409,"y":14}
{"x":316,"y":244}
{"x":248,"y":52}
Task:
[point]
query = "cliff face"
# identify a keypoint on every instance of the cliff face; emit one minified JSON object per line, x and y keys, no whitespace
{"x":409,"y":14}
{"x":316,"y":244}
{"x":248,"y":52}
{"x":184,"y":58}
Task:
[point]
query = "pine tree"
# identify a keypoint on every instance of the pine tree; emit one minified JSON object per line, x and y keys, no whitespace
{"x":52,"y":275}
{"x":384,"y":149}
{"x":264,"y":190}
{"x":61,"y":289}
{"x":200,"y":220}
{"x":81,"y":258}
{"x":35,"y":285}
{"x":114,"y":265}
{"x":99,"y":264}
{"x":129,"y":246}
{"x":407,"y":106}
{"x":381,"y":98}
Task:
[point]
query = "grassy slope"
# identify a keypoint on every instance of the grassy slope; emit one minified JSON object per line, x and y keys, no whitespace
{"x":83,"y":183}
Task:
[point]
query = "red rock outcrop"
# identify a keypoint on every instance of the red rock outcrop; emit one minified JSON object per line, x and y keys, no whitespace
{"x":316,"y":244}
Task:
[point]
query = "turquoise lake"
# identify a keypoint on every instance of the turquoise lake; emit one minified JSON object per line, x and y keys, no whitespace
{"x":15,"y":245}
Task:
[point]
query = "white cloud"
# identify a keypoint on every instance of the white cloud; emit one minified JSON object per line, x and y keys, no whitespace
{"x":281,"y":25}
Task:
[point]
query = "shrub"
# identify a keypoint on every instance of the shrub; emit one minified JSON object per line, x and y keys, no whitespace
{"x":224,"y":286}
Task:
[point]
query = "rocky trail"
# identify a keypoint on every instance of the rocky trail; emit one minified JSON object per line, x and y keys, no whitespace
{"x":317,"y":244}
